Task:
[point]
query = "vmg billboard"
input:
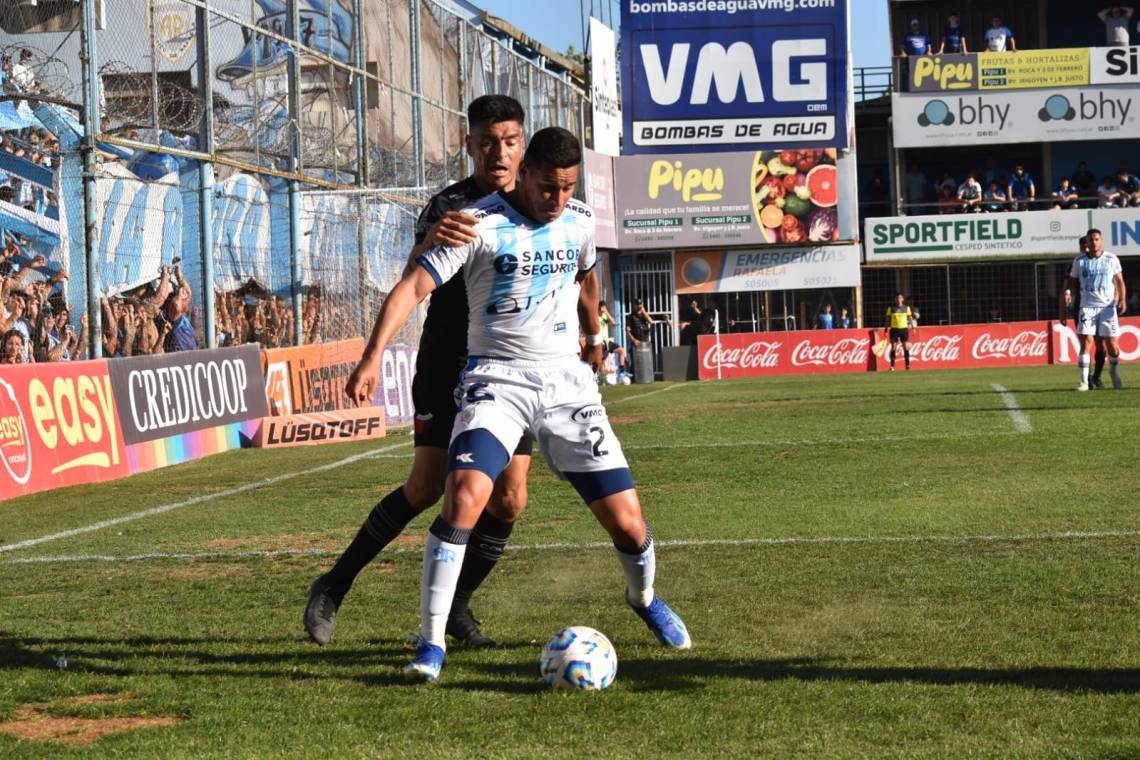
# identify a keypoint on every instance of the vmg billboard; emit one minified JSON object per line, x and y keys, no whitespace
{"x":722,"y":75}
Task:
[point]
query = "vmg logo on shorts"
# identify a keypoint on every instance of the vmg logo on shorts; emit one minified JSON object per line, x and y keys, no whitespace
{"x":506,"y":263}
{"x":588,"y":413}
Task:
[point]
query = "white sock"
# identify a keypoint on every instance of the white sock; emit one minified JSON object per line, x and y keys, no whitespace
{"x":1112,"y":362}
{"x":640,"y":568}
{"x":443,"y":558}
{"x":1083,"y":361}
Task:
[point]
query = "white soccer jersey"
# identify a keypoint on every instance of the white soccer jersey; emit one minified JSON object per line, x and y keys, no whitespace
{"x":1095,"y":276}
{"x":522,"y":293}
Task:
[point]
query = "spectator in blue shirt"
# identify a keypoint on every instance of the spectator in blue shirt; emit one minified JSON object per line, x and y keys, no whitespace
{"x":825,"y":320}
{"x":995,"y":199}
{"x":1022,"y":190}
{"x":1065,"y":196}
{"x":843,"y":321}
{"x":915,"y":42}
{"x":1129,"y":186}
{"x":953,"y":38}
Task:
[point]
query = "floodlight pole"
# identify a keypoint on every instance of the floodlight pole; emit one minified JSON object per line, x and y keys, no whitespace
{"x":292,"y":28}
{"x":91,"y":101}
{"x":206,"y":170}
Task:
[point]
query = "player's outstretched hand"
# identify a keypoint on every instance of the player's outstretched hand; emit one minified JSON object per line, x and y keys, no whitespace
{"x":453,"y":230}
{"x":361,"y":385}
{"x":1121,"y":307}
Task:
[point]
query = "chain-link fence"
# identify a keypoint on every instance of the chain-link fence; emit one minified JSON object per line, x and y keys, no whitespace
{"x":235,"y":146}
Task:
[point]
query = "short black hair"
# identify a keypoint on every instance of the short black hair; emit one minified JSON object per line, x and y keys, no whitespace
{"x":491,"y":109}
{"x":1093,"y":231}
{"x":553,"y":147}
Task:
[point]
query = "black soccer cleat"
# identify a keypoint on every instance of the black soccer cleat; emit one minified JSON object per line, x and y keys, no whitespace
{"x":464,"y":628}
{"x":1095,"y":383}
{"x":320,"y":612}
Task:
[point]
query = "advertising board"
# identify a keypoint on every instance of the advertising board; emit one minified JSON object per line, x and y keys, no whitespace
{"x":942,"y":237}
{"x":606,"y":108}
{"x":722,"y":75}
{"x":787,"y":197}
{"x":169,"y":394}
{"x":922,"y":120}
{"x":58,"y":427}
{"x":598,"y":185}
{"x":1002,"y":344}
{"x":831,"y":266}
{"x":783,"y":353}
{"x":1023,"y":70}
{"x":321,"y":427}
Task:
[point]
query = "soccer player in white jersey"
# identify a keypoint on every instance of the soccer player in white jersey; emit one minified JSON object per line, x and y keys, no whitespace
{"x":1098,"y":275}
{"x":530,"y":279}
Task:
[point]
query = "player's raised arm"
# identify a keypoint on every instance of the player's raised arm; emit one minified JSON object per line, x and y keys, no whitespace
{"x":454,"y":229}
{"x":414,"y":287}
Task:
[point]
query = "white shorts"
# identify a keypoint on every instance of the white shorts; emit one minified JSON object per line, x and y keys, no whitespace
{"x":559,"y":404}
{"x":1098,"y":320}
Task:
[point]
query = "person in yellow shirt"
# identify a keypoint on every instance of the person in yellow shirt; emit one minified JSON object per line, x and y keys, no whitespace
{"x":899,"y":317}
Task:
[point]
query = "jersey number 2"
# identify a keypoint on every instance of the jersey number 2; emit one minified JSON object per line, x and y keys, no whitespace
{"x":597,"y":444}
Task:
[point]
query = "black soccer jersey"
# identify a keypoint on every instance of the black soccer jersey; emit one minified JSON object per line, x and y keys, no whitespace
{"x":443,"y":342}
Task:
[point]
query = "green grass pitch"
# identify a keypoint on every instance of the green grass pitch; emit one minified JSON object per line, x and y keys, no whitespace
{"x":869,"y":565}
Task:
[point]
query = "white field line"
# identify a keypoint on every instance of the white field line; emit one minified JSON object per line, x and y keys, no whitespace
{"x":643,"y":395}
{"x":679,"y":543}
{"x":199,"y":499}
{"x":792,"y":442}
{"x":1020,"y":418}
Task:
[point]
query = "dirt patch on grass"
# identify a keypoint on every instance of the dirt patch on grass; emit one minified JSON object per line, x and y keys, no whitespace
{"x":38,"y":722}
{"x":205,"y":571}
{"x":282,"y":542}
{"x":408,"y":542}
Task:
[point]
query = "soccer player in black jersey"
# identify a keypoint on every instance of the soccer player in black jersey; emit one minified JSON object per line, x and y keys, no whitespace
{"x":495,"y":144}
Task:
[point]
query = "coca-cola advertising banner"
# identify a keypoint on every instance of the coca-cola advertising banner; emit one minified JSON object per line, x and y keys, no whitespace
{"x":1067,"y":346}
{"x":58,"y":427}
{"x":783,"y":353}
{"x":1004,"y":344}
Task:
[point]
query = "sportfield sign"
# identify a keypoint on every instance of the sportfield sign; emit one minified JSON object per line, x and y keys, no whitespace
{"x":1015,"y":116}
{"x":722,"y":75}
{"x":974,"y":236}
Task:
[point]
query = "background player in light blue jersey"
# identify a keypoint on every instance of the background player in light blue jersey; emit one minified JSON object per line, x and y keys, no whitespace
{"x":530,"y":278}
{"x":1098,"y":275}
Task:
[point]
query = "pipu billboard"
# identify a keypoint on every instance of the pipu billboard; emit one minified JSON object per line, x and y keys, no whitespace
{"x":785,"y":197}
{"x":722,"y":75}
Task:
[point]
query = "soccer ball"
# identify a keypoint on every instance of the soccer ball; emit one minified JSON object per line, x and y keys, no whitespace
{"x":578,"y":657}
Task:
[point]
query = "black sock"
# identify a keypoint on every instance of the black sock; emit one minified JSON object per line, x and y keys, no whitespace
{"x":906,"y":356}
{"x":1100,"y":354}
{"x":488,"y":541}
{"x":892,"y":356}
{"x":386,"y":521}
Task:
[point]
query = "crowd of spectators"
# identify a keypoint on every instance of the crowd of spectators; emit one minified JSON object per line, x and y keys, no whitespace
{"x":998,"y":38}
{"x":994,"y":191}
{"x":35,"y":321}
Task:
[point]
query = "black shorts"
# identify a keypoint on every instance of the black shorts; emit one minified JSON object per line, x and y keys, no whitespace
{"x":900,"y":333}
{"x":433,"y":395}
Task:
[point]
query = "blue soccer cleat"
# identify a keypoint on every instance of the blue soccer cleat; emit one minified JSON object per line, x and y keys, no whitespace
{"x":666,"y":625}
{"x":427,"y":663}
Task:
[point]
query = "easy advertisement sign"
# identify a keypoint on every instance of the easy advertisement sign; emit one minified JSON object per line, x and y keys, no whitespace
{"x":727,"y":199}
{"x":58,"y":427}
{"x":1017,"y":116}
{"x":973,"y":236}
{"x":825,"y":266}
{"x":722,"y":75}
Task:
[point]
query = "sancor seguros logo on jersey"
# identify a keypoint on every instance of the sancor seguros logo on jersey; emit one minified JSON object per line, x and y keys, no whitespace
{"x":15,"y":446}
{"x":506,"y":263}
